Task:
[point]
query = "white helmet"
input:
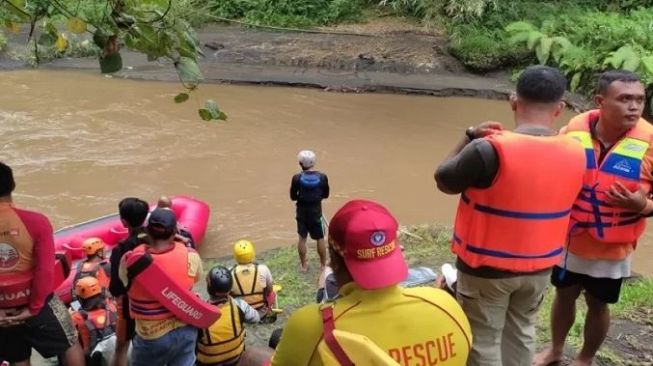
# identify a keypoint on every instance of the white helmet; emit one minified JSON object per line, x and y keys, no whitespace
{"x":306,"y":159}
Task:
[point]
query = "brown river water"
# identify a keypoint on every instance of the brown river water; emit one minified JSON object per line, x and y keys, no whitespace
{"x":80,"y":142}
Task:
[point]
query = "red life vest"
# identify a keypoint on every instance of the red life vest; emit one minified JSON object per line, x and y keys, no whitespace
{"x":622,"y":164}
{"x":99,"y":270}
{"x":100,"y":323}
{"x":520,"y":222}
{"x":174,"y":261}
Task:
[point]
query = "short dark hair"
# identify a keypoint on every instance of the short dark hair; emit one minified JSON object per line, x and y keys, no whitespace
{"x":7,"y":182}
{"x":611,"y":76}
{"x":158,"y":232}
{"x":541,"y":84}
{"x":133,"y":211}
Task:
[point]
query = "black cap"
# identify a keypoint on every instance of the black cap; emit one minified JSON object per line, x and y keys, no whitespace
{"x":162,"y":218}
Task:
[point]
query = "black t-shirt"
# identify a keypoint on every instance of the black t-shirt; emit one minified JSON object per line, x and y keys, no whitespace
{"x":309,"y":188}
{"x":116,"y":287}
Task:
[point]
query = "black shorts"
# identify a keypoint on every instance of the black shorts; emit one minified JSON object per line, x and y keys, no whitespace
{"x":51,"y":333}
{"x":309,"y":221}
{"x":604,"y":289}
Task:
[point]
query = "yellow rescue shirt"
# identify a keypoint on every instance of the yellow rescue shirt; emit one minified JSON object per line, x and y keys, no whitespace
{"x":417,"y":326}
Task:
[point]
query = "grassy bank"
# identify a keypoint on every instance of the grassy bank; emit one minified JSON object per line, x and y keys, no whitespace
{"x":630,"y":341}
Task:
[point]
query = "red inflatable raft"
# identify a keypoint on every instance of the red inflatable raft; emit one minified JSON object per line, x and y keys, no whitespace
{"x":192,"y":213}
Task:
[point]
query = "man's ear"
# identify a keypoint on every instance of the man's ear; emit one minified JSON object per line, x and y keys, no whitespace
{"x":598,"y":100}
{"x":513,"y":100}
{"x":559,"y":108}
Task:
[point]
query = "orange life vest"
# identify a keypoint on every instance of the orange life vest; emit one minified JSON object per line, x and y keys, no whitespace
{"x":99,"y":324}
{"x":175,"y":261}
{"x":520,"y":222}
{"x":99,"y":270}
{"x":622,"y":164}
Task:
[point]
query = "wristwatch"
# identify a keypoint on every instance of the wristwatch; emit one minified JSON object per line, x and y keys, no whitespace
{"x":469,"y":132}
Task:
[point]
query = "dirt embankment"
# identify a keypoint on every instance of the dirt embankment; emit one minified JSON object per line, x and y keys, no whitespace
{"x":388,"y":55}
{"x":383,"y":55}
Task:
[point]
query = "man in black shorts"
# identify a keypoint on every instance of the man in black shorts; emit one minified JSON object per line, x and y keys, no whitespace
{"x":609,"y":215}
{"x":30,"y":315}
{"x":309,"y":188}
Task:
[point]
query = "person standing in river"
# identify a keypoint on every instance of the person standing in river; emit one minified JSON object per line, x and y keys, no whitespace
{"x":27,"y":256}
{"x":308,"y":189}
{"x":609,"y":215}
{"x":517,"y":189}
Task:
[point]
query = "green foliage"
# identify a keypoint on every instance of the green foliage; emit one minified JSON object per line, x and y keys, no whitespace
{"x":3,"y":41}
{"x":460,"y":10}
{"x":288,"y":13}
{"x":482,"y":51}
{"x":455,"y":10}
{"x":157,"y":28}
{"x":585,"y":44}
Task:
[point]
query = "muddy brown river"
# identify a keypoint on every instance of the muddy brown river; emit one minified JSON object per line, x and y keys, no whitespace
{"x":80,"y":142}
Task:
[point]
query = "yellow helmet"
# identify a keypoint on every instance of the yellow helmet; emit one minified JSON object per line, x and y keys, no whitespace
{"x":93,"y":245}
{"x":244,"y":252}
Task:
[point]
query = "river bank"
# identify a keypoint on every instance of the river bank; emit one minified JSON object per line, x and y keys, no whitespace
{"x":629,"y":343}
{"x":388,"y":55}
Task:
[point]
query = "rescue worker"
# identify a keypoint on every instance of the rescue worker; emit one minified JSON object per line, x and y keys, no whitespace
{"x":308,"y":189}
{"x":517,"y":191}
{"x":252,"y":281}
{"x":161,"y":338}
{"x":182,"y":233}
{"x":223,"y":343}
{"x":406,"y":323}
{"x":608,"y":217}
{"x":95,"y":264}
{"x":327,"y":286}
{"x":36,"y":319}
{"x":95,"y":320}
{"x":133,"y":212}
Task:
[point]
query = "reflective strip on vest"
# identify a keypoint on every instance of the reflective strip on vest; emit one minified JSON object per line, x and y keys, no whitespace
{"x":622,"y":164}
{"x":224,"y":341}
{"x":516,"y":214}
{"x":175,"y":261}
{"x":502,"y":254}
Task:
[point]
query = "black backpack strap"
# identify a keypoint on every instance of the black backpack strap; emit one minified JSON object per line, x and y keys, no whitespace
{"x":139,"y":266}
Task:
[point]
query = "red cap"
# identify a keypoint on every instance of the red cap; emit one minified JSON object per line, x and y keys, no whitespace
{"x":364,"y":233}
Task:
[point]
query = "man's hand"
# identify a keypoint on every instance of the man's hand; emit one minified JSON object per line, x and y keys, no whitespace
{"x":620,"y":196}
{"x":487,"y":128}
{"x":10,"y":319}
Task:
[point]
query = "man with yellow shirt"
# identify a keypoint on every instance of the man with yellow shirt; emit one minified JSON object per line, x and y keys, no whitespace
{"x":416,"y":326}
{"x":161,"y":338}
{"x":608,"y":216}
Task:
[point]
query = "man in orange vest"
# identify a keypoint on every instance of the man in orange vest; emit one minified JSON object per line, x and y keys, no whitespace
{"x":30,"y":317}
{"x":95,"y":321}
{"x":95,"y":265}
{"x":161,"y":338}
{"x":512,"y":216}
{"x":609,"y":214}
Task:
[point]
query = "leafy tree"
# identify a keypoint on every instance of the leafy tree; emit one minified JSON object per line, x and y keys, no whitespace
{"x":153,"y":27}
